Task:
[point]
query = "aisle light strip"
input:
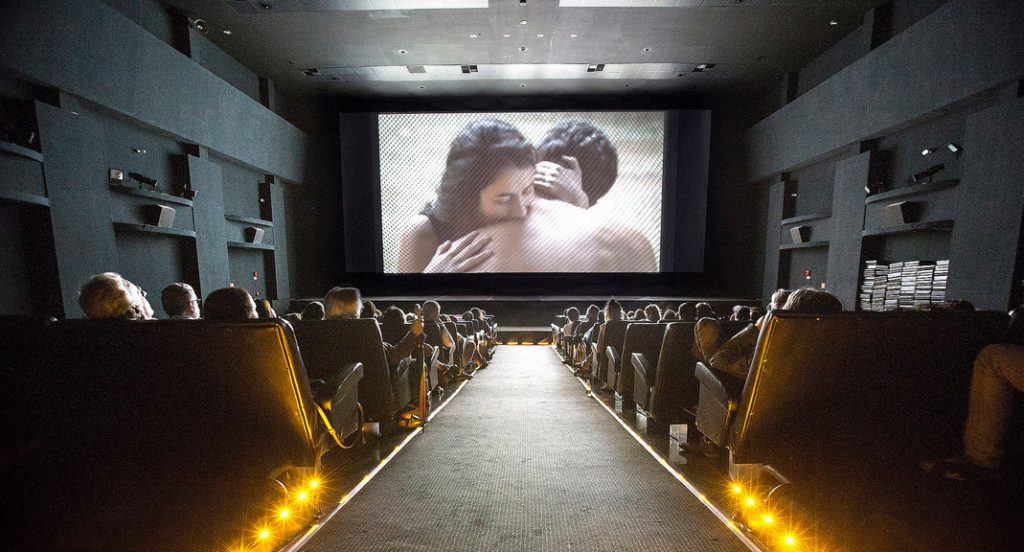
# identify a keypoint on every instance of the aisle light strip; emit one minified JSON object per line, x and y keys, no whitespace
{"x":679,"y":477}
{"x":368,"y":477}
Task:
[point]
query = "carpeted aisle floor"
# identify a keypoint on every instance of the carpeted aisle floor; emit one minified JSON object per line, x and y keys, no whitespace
{"x":522,"y":460}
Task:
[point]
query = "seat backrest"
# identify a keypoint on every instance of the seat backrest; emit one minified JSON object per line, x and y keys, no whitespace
{"x":640,"y":337}
{"x":432,"y":333}
{"x":328,"y":345}
{"x":675,"y":388}
{"x":612,"y":334}
{"x":581,"y":327}
{"x":853,"y":382}
{"x":133,"y":419}
{"x":463,"y":329}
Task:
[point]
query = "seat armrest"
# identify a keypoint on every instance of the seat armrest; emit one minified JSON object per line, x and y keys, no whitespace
{"x":324,"y":391}
{"x":613,"y":357}
{"x":642,"y":367}
{"x":716,"y":384}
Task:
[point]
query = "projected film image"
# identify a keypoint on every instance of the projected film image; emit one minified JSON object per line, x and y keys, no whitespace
{"x":521,"y":192}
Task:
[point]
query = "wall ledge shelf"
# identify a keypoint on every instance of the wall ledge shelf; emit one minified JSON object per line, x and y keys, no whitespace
{"x":805,"y":218}
{"x":22,"y":197}
{"x":249,"y":220}
{"x":149,"y":229}
{"x":158,"y":196}
{"x":247,"y":245}
{"x":21,"y":151}
{"x":805,"y":245}
{"x":911,"y":190}
{"x":934,"y":225}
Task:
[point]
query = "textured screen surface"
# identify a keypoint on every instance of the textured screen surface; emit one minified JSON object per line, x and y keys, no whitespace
{"x":489,"y":188}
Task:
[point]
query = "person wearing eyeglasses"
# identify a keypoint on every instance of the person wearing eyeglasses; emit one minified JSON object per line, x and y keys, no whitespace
{"x":180,"y":301}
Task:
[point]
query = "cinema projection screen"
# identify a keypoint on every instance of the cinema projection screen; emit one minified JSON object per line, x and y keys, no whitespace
{"x":521,"y":192}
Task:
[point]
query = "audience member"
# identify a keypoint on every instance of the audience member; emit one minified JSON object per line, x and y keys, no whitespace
{"x":735,"y":355}
{"x":346,"y":303}
{"x":998,"y":377}
{"x":264,"y":309}
{"x":613,"y":310}
{"x":959,"y":305}
{"x":778,"y":299}
{"x":703,"y":310}
{"x":436,"y":335}
{"x":293,"y":317}
{"x":572,"y":314}
{"x":230,"y":303}
{"x":741,"y":314}
{"x":652,"y":312}
{"x":110,"y":296}
{"x":687,"y":312}
{"x":314,"y":310}
{"x":180,"y":301}
{"x":392,"y":324}
{"x":670,"y":315}
{"x":369,"y":310}
{"x":756,"y":313}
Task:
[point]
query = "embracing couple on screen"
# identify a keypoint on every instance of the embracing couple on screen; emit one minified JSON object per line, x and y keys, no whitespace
{"x":499,"y":210}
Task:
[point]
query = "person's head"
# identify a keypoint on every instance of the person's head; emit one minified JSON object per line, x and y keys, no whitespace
{"x":669,"y":314}
{"x":652,"y":312}
{"x":687,"y":312}
{"x":597,"y":156}
{"x":369,"y":310}
{"x":264,"y":309}
{"x":110,"y":296}
{"x":314,"y":310}
{"x":477,"y":313}
{"x":756,"y":313}
{"x":703,"y":310}
{"x":467,"y":316}
{"x":431,"y":310}
{"x":743,"y":313}
{"x":613,"y":310}
{"x":293,"y":317}
{"x":959,"y":305}
{"x":343,"y":302}
{"x":230,"y":303}
{"x":417,"y":310}
{"x":592,"y":312}
{"x":392,"y":316}
{"x":179,"y":300}
{"x":572,"y":313}
{"x":778,"y":299}
{"x":488,"y":176}
{"x":813,"y":301}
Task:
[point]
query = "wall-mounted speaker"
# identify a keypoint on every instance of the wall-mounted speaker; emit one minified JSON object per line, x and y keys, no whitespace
{"x":800,"y":234}
{"x":904,"y":212}
{"x":253,"y":234}
{"x":155,"y":214}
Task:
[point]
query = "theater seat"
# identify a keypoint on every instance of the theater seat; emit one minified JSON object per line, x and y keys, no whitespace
{"x":113,"y":411}
{"x":667,"y":391}
{"x":641,"y":337}
{"x":610,"y":346}
{"x":848,"y":390}
{"x":327,"y":345}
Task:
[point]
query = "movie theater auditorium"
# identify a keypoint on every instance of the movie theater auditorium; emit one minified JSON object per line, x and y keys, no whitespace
{"x":538,"y":275}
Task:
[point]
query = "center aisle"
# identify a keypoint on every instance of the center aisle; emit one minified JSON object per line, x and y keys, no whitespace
{"x":522,"y":460}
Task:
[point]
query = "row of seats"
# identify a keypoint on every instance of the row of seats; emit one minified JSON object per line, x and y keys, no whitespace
{"x":115,"y":423}
{"x":821,"y":388}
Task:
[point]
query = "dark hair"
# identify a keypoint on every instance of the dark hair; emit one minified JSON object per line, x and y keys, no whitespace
{"x":687,"y":312}
{"x":264,"y":309}
{"x":613,"y":310}
{"x":313,"y":311}
{"x":598,"y":158}
{"x":572,"y":313}
{"x":480,"y":151}
{"x":230,"y":303}
{"x":369,"y":310}
{"x":743,"y":313}
{"x":669,"y":314}
{"x":652,"y":312}
{"x":703,"y":310}
{"x":176,"y":298}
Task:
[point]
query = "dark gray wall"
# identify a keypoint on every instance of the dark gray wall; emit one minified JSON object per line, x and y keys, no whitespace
{"x":948,"y":75}
{"x":109,"y":85}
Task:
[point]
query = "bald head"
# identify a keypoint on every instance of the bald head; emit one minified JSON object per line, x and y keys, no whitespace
{"x":109,"y":295}
{"x":431,"y":310}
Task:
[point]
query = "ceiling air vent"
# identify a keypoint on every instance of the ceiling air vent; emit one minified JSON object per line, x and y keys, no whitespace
{"x":703,"y":67}
{"x":416,"y":69}
{"x":469,"y":69}
{"x":311,"y":72}
{"x":595,"y":67}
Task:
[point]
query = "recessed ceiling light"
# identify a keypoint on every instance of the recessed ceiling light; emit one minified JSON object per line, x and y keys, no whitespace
{"x":523,"y":22}
{"x":403,"y":51}
{"x":647,"y":49}
{"x":474,"y":35}
{"x":522,"y":86}
{"x":506,"y":35}
{"x":573,"y":35}
{"x":422,"y":87}
{"x":834,"y":22}
{"x":522,"y":48}
{"x":522,"y":3}
{"x":627,"y":85}
{"x":227,"y":31}
{"x":540,"y":35}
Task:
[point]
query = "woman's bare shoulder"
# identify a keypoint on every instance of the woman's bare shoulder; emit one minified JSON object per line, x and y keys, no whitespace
{"x":417,"y":245}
